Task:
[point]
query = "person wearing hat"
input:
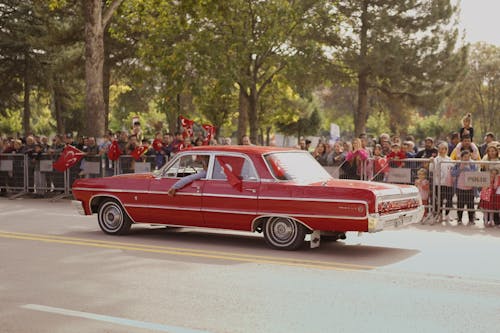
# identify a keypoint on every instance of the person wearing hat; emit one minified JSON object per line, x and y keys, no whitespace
{"x":429,"y":149}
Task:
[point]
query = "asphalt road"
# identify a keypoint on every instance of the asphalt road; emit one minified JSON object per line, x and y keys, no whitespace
{"x":60,"y":273}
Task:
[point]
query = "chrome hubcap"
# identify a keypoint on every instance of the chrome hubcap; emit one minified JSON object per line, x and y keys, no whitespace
{"x":283,"y":230}
{"x":112,"y":217}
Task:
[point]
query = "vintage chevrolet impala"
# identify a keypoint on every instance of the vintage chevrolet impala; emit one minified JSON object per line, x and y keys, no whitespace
{"x":283,"y":193}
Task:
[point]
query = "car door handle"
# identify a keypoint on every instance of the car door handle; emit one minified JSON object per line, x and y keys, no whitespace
{"x":251,"y":190}
{"x":197,"y":187}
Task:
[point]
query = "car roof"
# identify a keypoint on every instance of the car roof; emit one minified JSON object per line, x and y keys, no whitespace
{"x":258,"y":150}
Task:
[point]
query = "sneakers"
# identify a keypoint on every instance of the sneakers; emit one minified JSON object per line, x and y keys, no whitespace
{"x":459,"y":223}
{"x":471,"y":223}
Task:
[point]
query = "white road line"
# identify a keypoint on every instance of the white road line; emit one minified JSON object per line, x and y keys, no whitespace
{"x":109,"y":319}
{"x":18,"y":211}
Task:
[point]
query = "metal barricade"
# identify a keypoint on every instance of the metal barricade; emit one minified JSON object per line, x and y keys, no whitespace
{"x":13,"y":174}
{"x":468,"y":187}
{"x":91,"y":167}
{"x":127,"y":164}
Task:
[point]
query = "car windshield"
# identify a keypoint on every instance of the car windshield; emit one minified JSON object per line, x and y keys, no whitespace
{"x":297,"y":166}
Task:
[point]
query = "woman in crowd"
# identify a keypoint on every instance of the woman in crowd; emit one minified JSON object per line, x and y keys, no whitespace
{"x":355,"y":160}
{"x":337,"y":156}
{"x":440,"y":167}
{"x":491,"y":155}
{"x":321,"y":153}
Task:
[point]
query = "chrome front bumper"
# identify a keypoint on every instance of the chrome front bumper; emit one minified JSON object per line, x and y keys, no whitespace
{"x":78,"y":205}
{"x":378,"y":223}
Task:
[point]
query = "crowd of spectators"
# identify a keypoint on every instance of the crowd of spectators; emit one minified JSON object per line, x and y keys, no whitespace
{"x":362,"y":158}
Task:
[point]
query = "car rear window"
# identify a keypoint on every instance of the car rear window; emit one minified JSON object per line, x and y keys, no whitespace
{"x":296,"y":166}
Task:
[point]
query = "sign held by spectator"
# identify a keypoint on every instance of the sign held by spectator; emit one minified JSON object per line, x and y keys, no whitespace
{"x":477,"y":178}
{"x":399,"y":175}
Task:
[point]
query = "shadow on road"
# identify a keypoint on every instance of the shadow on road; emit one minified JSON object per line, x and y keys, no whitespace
{"x":250,"y":245}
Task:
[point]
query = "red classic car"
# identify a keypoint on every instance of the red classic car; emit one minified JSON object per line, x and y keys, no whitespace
{"x":281,"y":192}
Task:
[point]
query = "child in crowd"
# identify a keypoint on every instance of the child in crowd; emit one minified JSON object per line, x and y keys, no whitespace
{"x":489,"y":198}
{"x":465,"y":193}
{"x":467,"y":128}
{"x":395,"y":155}
{"x":380,"y":166}
{"x":423,"y":185}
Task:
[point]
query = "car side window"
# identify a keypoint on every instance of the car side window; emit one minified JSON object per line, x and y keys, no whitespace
{"x":185,"y":166}
{"x":239,"y":166}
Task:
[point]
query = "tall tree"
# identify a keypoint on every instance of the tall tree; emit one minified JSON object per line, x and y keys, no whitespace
{"x":406,"y":49}
{"x":479,"y":91}
{"x":97,"y":16}
{"x":22,"y":55}
{"x":257,"y":41}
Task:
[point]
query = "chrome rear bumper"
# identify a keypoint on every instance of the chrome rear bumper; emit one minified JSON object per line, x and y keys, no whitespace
{"x":378,"y":222}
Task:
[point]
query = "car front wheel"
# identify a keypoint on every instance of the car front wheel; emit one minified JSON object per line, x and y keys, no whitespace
{"x":284,"y":233}
{"x":112,"y":218}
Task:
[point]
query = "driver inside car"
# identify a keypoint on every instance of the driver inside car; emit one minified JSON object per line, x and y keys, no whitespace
{"x":191,"y":178}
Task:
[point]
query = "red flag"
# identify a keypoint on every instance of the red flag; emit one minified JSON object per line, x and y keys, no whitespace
{"x":157,"y":144}
{"x":114,"y":151}
{"x":187,"y":124}
{"x":138,"y":152}
{"x":69,"y":157}
{"x":232,"y":168}
{"x":210,"y":133}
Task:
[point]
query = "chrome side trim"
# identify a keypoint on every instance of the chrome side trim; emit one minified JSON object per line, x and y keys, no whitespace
{"x":106,"y":190}
{"x":230,"y":196}
{"x":132,"y":191}
{"x":163,"y":207}
{"x":227,"y":196}
{"x":262,"y":213}
{"x":315,"y":199}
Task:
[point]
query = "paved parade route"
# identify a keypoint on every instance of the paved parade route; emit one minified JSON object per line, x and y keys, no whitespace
{"x":60,"y":273}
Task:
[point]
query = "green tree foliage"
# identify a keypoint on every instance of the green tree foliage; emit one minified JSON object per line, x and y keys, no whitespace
{"x":405,"y":49}
{"x":479,"y":91}
{"x":22,"y":54}
{"x":245,"y":64}
{"x":254,"y":42}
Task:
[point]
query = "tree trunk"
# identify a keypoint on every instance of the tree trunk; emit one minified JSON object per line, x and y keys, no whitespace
{"x":243,"y":115}
{"x":58,"y":109}
{"x":253,"y":116}
{"x":106,"y":83}
{"x":26,"y":109}
{"x":268,"y":135}
{"x":361,"y":115}
{"x":94,"y":59}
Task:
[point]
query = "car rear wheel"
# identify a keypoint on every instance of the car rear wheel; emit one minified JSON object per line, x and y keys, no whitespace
{"x":284,"y":233}
{"x":112,"y":218}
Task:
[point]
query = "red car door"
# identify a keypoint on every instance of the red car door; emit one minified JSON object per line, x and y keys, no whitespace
{"x":184,"y":208}
{"x":230,"y":196}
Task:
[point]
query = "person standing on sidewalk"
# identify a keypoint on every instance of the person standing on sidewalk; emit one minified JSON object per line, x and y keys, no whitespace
{"x":465,"y":193}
